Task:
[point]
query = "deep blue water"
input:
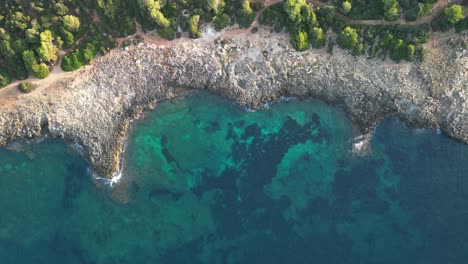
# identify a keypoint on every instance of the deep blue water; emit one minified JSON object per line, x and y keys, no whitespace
{"x":207,"y":182}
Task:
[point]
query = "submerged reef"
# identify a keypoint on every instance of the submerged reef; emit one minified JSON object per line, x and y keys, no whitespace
{"x":94,"y":106}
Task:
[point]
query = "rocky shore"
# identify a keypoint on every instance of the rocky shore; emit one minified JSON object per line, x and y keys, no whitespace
{"x":93,"y":106}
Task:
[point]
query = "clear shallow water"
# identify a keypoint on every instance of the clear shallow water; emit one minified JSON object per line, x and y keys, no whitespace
{"x":210,"y":183}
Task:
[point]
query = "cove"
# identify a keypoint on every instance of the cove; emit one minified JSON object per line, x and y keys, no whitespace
{"x":207,"y":182}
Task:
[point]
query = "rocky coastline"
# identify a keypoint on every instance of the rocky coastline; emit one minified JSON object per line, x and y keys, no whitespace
{"x":93,"y":107}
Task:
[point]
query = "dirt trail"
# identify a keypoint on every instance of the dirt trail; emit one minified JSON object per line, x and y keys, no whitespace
{"x":437,"y":8}
{"x":238,"y":31}
{"x":10,"y":92}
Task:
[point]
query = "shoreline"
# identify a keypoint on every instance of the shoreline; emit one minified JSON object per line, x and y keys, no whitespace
{"x":94,"y":106}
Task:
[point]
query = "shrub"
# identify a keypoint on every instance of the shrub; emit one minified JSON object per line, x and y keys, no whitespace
{"x":220,"y":21}
{"x":5,"y":79}
{"x":166,"y":32}
{"x":246,"y":15}
{"x":41,"y":71}
{"x":346,"y":6}
{"x":359,"y":49}
{"x":348,"y":38}
{"x":410,"y":52}
{"x":72,"y":61}
{"x":274,"y":16}
{"x":29,"y":60}
{"x":391,"y":9}
{"x":193,"y":26}
{"x":461,"y":25}
{"x":89,"y":52}
{"x":26,"y":87}
{"x":399,"y":50}
{"x":68,"y":38}
{"x":454,"y":14}
{"x":317,"y":37}
{"x":300,"y":40}
{"x":71,"y":23}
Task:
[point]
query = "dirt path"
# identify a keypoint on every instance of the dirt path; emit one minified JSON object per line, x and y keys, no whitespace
{"x":238,"y":31}
{"x":437,"y":8}
{"x":10,"y":91}
{"x":146,"y":38}
{"x":266,"y":4}
{"x":9,"y":94}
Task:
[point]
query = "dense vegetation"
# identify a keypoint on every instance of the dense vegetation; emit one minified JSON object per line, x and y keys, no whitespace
{"x":307,"y":25}
{"x":35,"y":35}
{"x":384,"y":9}
{"x":26,"y":87}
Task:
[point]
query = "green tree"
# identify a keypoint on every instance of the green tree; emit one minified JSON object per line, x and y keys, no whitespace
{"x":29,"y":59}
{"x":391,"y":9}
{"x":19,"y":46}
{"x":300,"y":40}
{"x":47,"y":50}
{"x":214,"y":5}
{"x":26,"y":87}
{"x":152,"y":8}
{"x":348,"y":38}
{"x":329,"y":14}
{"x":109,"y":8}
{"x":89,"y":52}
{"x":410,"y":52}
{"x":293,"y":9}
{"x":18,"y":22}
{"x":60,"y":9}
{"x":5,"y":78}
{"x":32,"y":35}
{"x":18,"y":68}
{"x":193,"y":26}
{"x":4,"y":35}
{"x":67,"y":37}
{"x":220,"y":21}
{"x":245,"y":15}
{"x":454,"y":13}
{"x":308,"y":16}
{"x":346,"y":6}
{"x":46,"y":36}
{"x":399,"y":50}
{"x":41,"y":71}
{"x":71,"y":61}
{"x":317,"y":37}
{"x":5,"y":49}
{"x":359,"y":49}
{"x":71,"y":23}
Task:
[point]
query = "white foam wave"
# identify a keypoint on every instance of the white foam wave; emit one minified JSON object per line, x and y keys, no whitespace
{"x":116,"y":178}
{"x":362,"y":144}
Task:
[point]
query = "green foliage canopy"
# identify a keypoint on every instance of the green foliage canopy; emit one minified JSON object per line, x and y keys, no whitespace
{"x":193,"y":26}
{"x":245,"y":15}
{"x":454,"y":14}
{"x":26,"y":87}
{"x":71,"y":23}
{"x":152,"y":8}
{"x":348,"y":38}
{"x":47,"y":50}
{"x":300,"y":41}
{"x":346,"y":6}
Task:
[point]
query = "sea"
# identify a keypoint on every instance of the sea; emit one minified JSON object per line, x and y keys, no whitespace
{"x":205,"y":181}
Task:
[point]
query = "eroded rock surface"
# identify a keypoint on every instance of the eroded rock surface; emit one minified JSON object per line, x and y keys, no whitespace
{"x":94,"y":106}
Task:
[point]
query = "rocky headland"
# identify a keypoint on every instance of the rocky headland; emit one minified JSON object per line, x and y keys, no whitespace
{"x":94,"y":106}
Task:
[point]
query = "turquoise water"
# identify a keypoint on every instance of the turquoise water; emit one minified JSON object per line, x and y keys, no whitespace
{"x":207,"y":182}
